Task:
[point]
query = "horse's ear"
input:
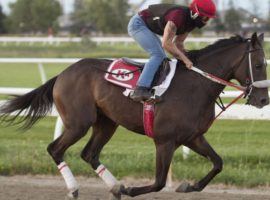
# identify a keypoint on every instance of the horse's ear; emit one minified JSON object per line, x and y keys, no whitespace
{"x":254,"y":38}
{"x":261,"y":38}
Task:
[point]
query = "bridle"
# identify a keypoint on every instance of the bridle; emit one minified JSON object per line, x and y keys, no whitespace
{"x":250,"y":83}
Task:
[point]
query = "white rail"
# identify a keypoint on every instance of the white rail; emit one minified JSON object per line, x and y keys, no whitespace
{"x":55,"y":60}
{"x":39,"y":60}
{"x":124,"y":39}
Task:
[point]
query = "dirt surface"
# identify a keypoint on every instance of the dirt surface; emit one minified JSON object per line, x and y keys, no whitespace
{"x":53,"y":188}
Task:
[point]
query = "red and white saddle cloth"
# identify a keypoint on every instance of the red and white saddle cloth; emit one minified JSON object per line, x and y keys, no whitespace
{"x":123,"y":74}
{"x":126,"y":75}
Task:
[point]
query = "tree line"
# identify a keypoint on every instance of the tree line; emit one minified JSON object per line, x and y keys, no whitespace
{"x":102,"y":16}
{"x":38,"y":16}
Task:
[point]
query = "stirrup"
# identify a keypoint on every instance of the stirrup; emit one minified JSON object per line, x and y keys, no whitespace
{"x":154,"y":99}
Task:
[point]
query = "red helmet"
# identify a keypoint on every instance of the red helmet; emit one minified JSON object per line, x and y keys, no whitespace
{"x":205,"y":8}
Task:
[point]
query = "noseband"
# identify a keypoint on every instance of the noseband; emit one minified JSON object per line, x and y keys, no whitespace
{"x":250,"y":83}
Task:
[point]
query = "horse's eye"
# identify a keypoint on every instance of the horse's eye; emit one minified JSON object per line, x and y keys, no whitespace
{"x":258,"y":66}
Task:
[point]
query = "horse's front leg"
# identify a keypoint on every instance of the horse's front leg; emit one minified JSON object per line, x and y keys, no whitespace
{"x":164,"y":154}
{"x":201,"y":146}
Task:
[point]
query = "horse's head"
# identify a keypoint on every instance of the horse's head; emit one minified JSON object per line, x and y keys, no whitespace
{"x":251,"y":72}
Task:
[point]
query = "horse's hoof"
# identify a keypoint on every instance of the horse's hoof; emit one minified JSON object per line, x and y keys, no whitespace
{"x":116,"y":192}
{"x":126,"y":191}
{"x":115,"y":197}
{"x":73,"y":195}
{"x":184,"y":188}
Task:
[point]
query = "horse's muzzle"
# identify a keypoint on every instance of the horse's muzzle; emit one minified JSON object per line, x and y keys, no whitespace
{"x":257,"y":93}
{"x":258,"y":101}
{"x":264,"y":101}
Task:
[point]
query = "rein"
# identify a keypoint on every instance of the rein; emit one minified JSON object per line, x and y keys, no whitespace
{"x":222,"y":82}
{"x":246,"y":91}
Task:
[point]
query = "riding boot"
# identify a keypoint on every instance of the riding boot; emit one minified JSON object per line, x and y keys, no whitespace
{"x":141,"y":94}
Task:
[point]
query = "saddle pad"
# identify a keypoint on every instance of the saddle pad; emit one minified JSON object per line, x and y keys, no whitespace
{"x":127,"y":75}
{"x":123,"y":74}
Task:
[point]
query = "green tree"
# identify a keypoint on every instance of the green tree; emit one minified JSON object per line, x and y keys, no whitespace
{"x":232,"y":18}
{"x":34,"y":15}
{"x":105,"y":16}
{"x":2,"y":19}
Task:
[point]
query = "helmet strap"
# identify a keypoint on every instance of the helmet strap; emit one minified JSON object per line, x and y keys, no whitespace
{"x":193,"y":16}
{"x":196,"y":14}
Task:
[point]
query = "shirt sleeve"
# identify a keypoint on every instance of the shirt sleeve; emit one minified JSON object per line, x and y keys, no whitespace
{"x":176,"y":16}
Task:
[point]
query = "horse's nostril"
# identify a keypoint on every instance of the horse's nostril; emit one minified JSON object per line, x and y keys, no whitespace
{"x":264,"y":101}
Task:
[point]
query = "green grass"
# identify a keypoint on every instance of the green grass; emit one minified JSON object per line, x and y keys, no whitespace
{"x":243,"y":145}
{"x":26,"y":75}
{"x":85,"y":50}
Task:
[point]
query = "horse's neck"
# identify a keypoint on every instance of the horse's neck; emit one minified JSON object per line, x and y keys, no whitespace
{"x":221,"y":65}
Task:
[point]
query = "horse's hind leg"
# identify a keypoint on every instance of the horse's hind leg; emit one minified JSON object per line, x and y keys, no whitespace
{"x":202,"y":147}
{"x":57,"y":149}
{"x":103,"y":130}
{"x":76,"y":126}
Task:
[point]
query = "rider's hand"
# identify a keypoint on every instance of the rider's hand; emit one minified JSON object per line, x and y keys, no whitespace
{"x":188,"y":63}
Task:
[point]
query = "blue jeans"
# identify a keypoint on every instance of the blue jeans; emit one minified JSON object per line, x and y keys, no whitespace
{"x":150,"y":42}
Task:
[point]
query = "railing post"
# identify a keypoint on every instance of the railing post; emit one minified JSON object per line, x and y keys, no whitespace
{"x":169,"y":182}
{"x":42,"y":73}
{"x":186,"y":152}
{"x":58,"y":128}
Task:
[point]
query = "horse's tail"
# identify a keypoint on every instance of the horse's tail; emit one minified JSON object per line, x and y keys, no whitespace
{"x":36,"y":104}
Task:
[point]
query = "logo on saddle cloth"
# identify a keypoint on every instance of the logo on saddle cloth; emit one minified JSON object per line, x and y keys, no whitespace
{"x":123,"y":74}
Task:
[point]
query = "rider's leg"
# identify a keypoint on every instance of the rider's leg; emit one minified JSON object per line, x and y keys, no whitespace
{"x":152,"y":44}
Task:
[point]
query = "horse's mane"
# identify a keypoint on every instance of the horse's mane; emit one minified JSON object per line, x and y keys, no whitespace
{"x":222,"y":43}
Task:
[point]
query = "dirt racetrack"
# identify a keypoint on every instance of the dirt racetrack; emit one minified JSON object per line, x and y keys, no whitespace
{"x":53,"y":188}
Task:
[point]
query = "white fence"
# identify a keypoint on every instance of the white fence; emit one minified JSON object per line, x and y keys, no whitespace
{"x":98,"y":40}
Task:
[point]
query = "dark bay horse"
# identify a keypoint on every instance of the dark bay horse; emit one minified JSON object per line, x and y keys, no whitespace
{"x":84,"y":99}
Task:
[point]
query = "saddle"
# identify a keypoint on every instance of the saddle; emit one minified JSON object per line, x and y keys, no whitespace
{"x":125,"y":72}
